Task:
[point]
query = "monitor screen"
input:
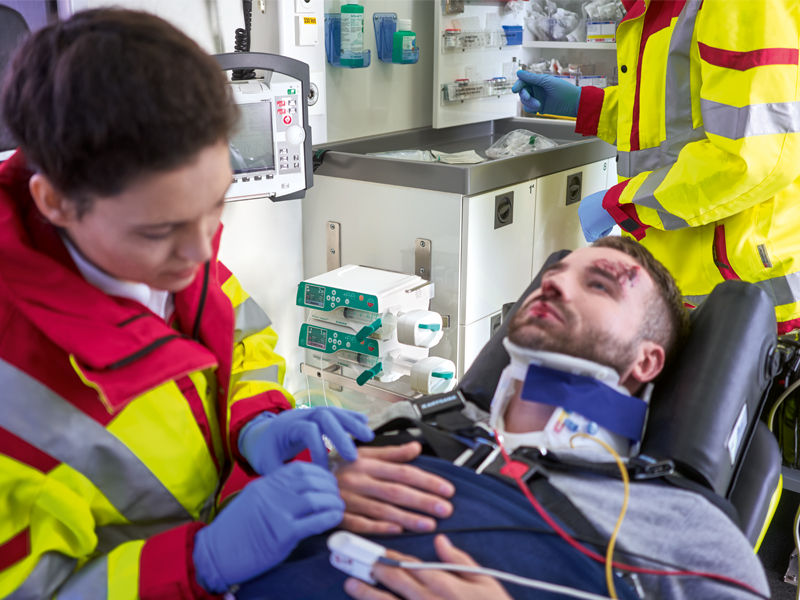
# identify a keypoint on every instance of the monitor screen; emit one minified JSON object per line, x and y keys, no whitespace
{"x":251,"y":147}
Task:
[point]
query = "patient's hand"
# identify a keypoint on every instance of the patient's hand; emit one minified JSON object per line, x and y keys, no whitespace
{"x":428,"y":584}
{"x":381,"y":493}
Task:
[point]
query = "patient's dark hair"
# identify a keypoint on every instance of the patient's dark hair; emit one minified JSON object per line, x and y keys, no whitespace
{"x":666,"y":320}
{"x":110,"y":95}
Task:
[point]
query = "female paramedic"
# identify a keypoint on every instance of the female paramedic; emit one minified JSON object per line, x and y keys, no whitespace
{"x":134,"y":370}
{"x":706,"y":119}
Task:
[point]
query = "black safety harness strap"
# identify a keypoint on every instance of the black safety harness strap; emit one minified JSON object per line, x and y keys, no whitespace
{"x":445,"y":432}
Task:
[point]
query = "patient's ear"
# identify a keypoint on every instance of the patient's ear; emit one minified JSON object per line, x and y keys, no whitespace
{"x":54,"y":205}
{"x":648,"y":364}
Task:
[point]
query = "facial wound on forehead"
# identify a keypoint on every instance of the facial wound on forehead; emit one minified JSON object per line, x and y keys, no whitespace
{"x":627,"y":275}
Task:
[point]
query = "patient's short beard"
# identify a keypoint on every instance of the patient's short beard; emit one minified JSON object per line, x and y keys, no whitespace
{"x":591,"y":344}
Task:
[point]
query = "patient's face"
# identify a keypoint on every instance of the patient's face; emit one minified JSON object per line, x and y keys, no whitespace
{"x":591,"y":305}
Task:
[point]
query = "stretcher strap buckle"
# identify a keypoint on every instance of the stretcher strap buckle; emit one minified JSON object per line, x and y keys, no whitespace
{"x":647,"y":467}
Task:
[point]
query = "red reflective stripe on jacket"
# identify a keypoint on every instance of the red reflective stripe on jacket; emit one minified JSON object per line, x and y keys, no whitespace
{"x":658,"y":17}
{"x":589,"y":108}
{"x":189,"y":391}
{"x":787,"y":326}
{"x":15,"y":447}
{"x":223,"y":273}
{"x":166,"y":566}
{"x":624,"y":215}
{"x":721,"y":254}
{"x":15,"y":549}
{"x":742,"y":61}
{"x":30,"y":351}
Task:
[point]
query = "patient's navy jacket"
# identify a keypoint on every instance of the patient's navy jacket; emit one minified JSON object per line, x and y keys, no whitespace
{"x":493,"y":522}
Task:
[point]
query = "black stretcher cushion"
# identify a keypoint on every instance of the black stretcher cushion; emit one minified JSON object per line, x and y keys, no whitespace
{"x":706,"y":405}
{"x":756,"y":482}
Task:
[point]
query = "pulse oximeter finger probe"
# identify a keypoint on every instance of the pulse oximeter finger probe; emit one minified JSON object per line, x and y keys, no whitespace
{"x":356,"y":556}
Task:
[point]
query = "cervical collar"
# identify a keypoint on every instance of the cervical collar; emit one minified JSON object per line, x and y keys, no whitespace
{"x":522,"y":358}
{"x":589,"y":394}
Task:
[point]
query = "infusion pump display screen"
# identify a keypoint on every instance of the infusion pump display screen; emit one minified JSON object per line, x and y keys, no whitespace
{"x":315,"y":296}
{"x":252,"y":147}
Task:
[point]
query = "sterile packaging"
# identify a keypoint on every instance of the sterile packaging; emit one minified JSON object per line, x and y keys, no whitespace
{"x":517,"y":142}
{"x":594,"y":80}
{"x":604,"y":10}
{"x":458,"y":158}
{"x":556,"y":21}
{"x":601,"y":31}
{"x":422,"y":155}
{"x":602,"y":17}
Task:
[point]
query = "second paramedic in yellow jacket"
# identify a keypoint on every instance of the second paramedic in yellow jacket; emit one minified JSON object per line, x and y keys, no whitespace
{"x":706,"y":119}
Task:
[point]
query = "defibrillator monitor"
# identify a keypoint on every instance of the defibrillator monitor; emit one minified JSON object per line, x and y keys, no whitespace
{"x":270,"y":148}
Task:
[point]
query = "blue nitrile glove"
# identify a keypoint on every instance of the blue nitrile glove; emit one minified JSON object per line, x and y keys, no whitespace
{"x":263,"y":524}
{"x":269,"y":440}
{"x":547,"y":94}
{"x":595,"y":220}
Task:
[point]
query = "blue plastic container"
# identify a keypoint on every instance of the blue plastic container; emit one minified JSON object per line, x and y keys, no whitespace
{"x":513,"y":34}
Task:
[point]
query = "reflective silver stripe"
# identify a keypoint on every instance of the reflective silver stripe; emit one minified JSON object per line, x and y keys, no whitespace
{"x":86,"y":446}
{"x":677,"y":103}
{"x":111,"y":536}
{"x":265,"y":374}
{"x":678,"y":93}
{"x":735,"y":123}
{"x":250,"y":319}
{"x":645,"y":196}
{"x":90,"y":581}
{"x":630,"y":164}
{"x":784,"y":289}
{"x":51,"y":570}
{"x":695,"y":300}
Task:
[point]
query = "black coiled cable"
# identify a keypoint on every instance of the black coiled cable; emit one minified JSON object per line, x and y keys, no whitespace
{"x":242,"y":42}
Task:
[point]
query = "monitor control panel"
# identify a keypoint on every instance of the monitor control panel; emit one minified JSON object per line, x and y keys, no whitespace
{"x":270,"y":147}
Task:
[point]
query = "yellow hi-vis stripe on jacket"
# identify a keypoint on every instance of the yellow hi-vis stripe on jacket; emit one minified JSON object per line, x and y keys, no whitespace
{"x":706,"y":118}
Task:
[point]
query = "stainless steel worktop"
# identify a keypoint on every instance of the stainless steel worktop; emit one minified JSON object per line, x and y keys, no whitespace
{"x":349,"y":159}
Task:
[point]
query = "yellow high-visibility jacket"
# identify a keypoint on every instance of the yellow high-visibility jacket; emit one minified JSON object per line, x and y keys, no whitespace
{"x":116,"y":428}
{"x":706,"y":119}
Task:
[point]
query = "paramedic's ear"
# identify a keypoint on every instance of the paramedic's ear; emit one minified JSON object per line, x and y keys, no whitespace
{"x":646,"y":366}
{"x":54,"y":206}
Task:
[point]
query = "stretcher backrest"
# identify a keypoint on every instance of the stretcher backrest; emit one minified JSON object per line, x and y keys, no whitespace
{"x":706,"y":405}
{"x":705,"y":409}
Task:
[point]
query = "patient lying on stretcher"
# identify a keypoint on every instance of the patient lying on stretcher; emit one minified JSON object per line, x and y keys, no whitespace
{"x":582,"y":346}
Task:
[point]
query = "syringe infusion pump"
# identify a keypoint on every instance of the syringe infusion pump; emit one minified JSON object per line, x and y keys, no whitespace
{"x":375,"y":324}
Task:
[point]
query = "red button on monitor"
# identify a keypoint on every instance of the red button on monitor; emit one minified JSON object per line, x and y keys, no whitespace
{"x":287,"y":120}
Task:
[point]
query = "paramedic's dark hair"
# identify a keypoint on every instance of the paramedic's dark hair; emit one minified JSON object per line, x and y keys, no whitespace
{"x":667,"y":320}
{"x":110,"y":95}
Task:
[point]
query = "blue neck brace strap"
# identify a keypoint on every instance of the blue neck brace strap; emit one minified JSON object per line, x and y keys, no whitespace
{"x":593,"y":399}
